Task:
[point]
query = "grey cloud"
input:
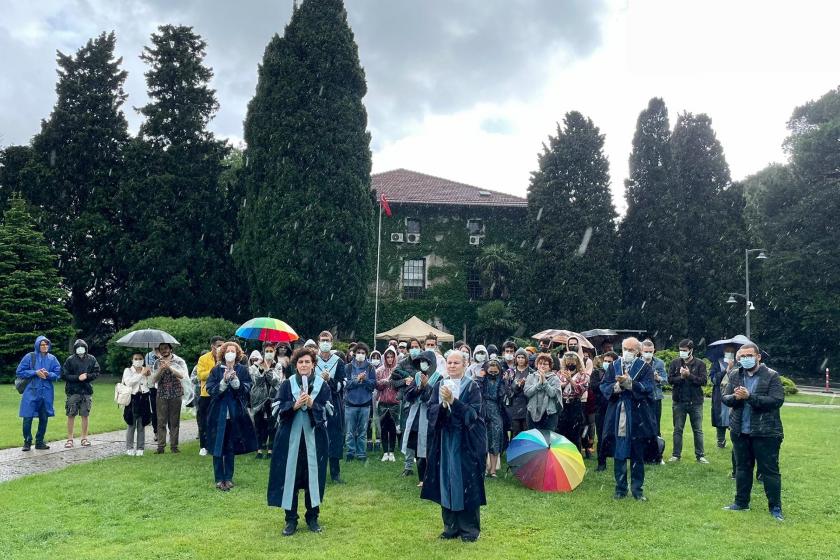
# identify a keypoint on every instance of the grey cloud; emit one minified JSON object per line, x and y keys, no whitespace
{"x":420,"y":57}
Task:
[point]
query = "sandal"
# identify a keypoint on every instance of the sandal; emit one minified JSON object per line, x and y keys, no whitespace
{"x":68,"y":444}
{"x":85,"y":442}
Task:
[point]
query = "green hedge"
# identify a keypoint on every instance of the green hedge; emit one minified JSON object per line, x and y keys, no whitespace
{"x":193,"y":334}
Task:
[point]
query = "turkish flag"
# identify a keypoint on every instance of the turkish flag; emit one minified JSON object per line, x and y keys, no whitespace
{"x":385,"y":206}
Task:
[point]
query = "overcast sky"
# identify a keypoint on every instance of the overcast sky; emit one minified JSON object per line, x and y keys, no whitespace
{"x":470,"y":89}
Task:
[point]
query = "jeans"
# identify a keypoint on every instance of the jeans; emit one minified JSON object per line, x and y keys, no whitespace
{"x":764,"y":451}
{"x":695,"y":415}
{"x":43,"y":418}
{"x":409,"y":458}
{"x":201,"y":419}
{"x":356,"y":419}
{"x":223,"y":467}
{"x":138,"y":429}
{"x":637,"y":470}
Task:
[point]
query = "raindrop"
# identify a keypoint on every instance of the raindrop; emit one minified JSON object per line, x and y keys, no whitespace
{"x":824,"y":363}
{"x":587,"y":235}
{"x":643,"y":304}
{"x":231,"y":248}
{"x":321,"y":91}
{"x":202,"y":237}
{"x":246,"y":161}
{"x":539,"y":243}
{"x":52,"y":158}
{"x":539,"y":213}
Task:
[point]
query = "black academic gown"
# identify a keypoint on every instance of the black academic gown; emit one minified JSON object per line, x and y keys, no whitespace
{"x":233,"y":402}
{"x":464,"y":417}
{"x":286,"y":412}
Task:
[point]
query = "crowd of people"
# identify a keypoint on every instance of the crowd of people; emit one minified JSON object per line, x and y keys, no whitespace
{"x":309,"y":409}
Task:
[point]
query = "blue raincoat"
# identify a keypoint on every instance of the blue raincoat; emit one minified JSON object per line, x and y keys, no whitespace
{"x":39,"y":392}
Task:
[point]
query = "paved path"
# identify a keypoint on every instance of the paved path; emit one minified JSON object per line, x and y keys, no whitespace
{"x":15,"y":463}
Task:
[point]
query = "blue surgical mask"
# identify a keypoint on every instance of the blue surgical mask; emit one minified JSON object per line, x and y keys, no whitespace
{"x":414,"y":352}
{"x":606,"y":366}
{"x":748,"y":362}
{"x":684,"y":354}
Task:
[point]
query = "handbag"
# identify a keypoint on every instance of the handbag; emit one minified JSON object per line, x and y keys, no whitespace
{"x":122,"y":394}
{"x":20,"y":383}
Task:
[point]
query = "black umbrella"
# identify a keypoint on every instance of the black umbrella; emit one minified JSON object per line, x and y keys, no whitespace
{"x":147,"y":338}
{"x":714,"y":351}
{"x":598,"y":336}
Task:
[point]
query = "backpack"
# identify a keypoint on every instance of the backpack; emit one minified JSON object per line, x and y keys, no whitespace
{"x":20,"y":383}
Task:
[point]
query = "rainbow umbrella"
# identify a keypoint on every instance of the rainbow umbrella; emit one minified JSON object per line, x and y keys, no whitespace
{"x":545,"y":461}
{"x":267,"y":329}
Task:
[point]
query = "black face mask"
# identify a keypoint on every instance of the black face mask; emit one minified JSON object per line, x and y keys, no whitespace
{"x":573,"y":348}
{"x":571,"y":367}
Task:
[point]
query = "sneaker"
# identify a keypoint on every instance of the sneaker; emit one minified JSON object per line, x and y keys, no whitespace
{"x":41,"y":446}
{"x":313,"y":526}
{"x":392,"y":458}
{"x":721,"y":444}
{"x":736,"y":507}
{"x":407,"y":472}
{"x":732,"y":476}
{"x":202,"y":452}
{"x":640,"y":498}
{"x":289,"y":529}
{"x":385,"y":458}
{"x":674,"y":459}
{"x":138,"y":453}
{"x":129,"y":452}
{"x":702,"y":460}
{"x":175,"y":450}
{"x":618,"y":496}
{"x":26,"y":446}
{"x":776,"y":512}
{"x":448,"y":536}
{"x":661,"y":461}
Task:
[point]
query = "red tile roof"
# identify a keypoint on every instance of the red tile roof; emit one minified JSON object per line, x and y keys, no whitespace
{"x":404,"y":186}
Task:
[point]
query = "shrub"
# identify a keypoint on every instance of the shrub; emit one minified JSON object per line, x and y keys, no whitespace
{"x":193,"y":334}
{"x":789,"y":385}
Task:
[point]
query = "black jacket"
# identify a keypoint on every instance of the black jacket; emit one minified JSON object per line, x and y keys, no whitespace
{"x":690,"y":389}
{"x":766,"y":400}
{"x":74,"y":367}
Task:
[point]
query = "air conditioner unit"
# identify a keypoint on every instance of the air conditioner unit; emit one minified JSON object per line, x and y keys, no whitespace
{"x":412,"y":238}
{"x":396,"y":238}
{"x":475,"y":239}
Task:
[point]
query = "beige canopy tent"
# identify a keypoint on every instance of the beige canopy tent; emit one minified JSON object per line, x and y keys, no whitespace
{"x":415,"y":328}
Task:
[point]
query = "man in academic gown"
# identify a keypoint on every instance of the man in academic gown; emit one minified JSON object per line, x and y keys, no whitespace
{"x":457,"y":453}
{"x":330,"y":368}
{"x":299,"y":458}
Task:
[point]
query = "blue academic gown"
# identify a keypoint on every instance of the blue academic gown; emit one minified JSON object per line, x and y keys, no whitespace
{"x":231,"y":403}
{"x":637,"y":404}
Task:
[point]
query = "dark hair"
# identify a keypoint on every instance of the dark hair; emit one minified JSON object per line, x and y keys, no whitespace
{"x":544,"y":358}
{"x":138,"y":353}
{"x":303,"y":351}
{"x":546,"y":339}
{"x":610,"y":354}
{"x":215,"y":339}
{"x":430,"y":336}
{"x":457,"y":344}
{"x":269,"y":344}
{"x":413,"y":339}
{"x":572,"y":337}
{"x":752,"y":345}
{"x":508,"y":344}
{"x":686,"y":343}
{"x":363,"y":346}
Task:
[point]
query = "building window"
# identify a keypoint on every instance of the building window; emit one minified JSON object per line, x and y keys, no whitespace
{"x":412,"y":225}
{"x":475,"y":226}
{"x":474,"y":290}
{"x":414,"y":278}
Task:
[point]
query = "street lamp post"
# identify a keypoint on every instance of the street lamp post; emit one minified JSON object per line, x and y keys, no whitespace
{"x":746,"y":295}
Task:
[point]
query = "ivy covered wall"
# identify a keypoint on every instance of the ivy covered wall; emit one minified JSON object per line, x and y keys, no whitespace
{"x":444,"y":244}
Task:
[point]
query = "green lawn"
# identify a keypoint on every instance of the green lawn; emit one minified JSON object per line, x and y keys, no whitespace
{"x":830,"y":398}
{"x":166,"y":507}
{"x":105,"y":415}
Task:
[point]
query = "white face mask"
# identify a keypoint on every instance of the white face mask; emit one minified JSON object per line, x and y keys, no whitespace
{"x":480,"y":357}
{"x":648,"y":356}
{"x":269,"y":355}
{"x":684,"y":354}
{"x":137,"y":363}
{"x":508,"y":357}
{"x":80,"y":351}
{"x":375,"y":362}
{"x":493,"y":356}
{"x":466,"y":356}
{"x":325,"y":345}
{"x":424,"y":366}
{"x":729,"y":356}
{"x":360,"y":357}
{"x":230,"y":356}
{"x":628,"y":355}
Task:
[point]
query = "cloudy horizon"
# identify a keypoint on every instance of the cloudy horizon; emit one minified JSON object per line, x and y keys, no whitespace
{"x":470,"y":90}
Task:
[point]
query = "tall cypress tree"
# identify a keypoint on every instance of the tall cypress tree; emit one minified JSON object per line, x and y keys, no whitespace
{"x":307,"y":221}
{"x":654,"y":295}
{"x":73,"y":177}
{"x":31,"y":298}
{"x":12,"y":162}
{"x":173,"y":205}
{"x":708,"y":212}
{"x":572,"y":219}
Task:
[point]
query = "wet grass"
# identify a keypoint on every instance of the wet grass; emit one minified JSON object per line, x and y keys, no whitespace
{"x":166,"y":507}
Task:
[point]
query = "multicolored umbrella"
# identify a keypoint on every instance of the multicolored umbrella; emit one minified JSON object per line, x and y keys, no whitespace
{"x":545,"y":461}
{"x":267,"y":329}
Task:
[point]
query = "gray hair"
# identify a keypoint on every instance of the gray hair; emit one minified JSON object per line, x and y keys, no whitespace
{"x":632,"y":341}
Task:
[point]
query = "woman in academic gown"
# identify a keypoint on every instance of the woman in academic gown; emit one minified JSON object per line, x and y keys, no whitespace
{"x":299,"y":458}
{"x":457,"y":453}
{"x":230,"y":431}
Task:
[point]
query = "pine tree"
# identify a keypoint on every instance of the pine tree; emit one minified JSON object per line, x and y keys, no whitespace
{"x":307,"y":221}
{"x":173,"y":208}
{"x":572,"y":220}
{"x":654,"y":296}
{"x":73,"y":178}
{"x":31,"y":298}
{"x":709,"y":217}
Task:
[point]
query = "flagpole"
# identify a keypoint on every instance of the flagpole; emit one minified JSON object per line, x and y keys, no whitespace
{"x":376,"y":300}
